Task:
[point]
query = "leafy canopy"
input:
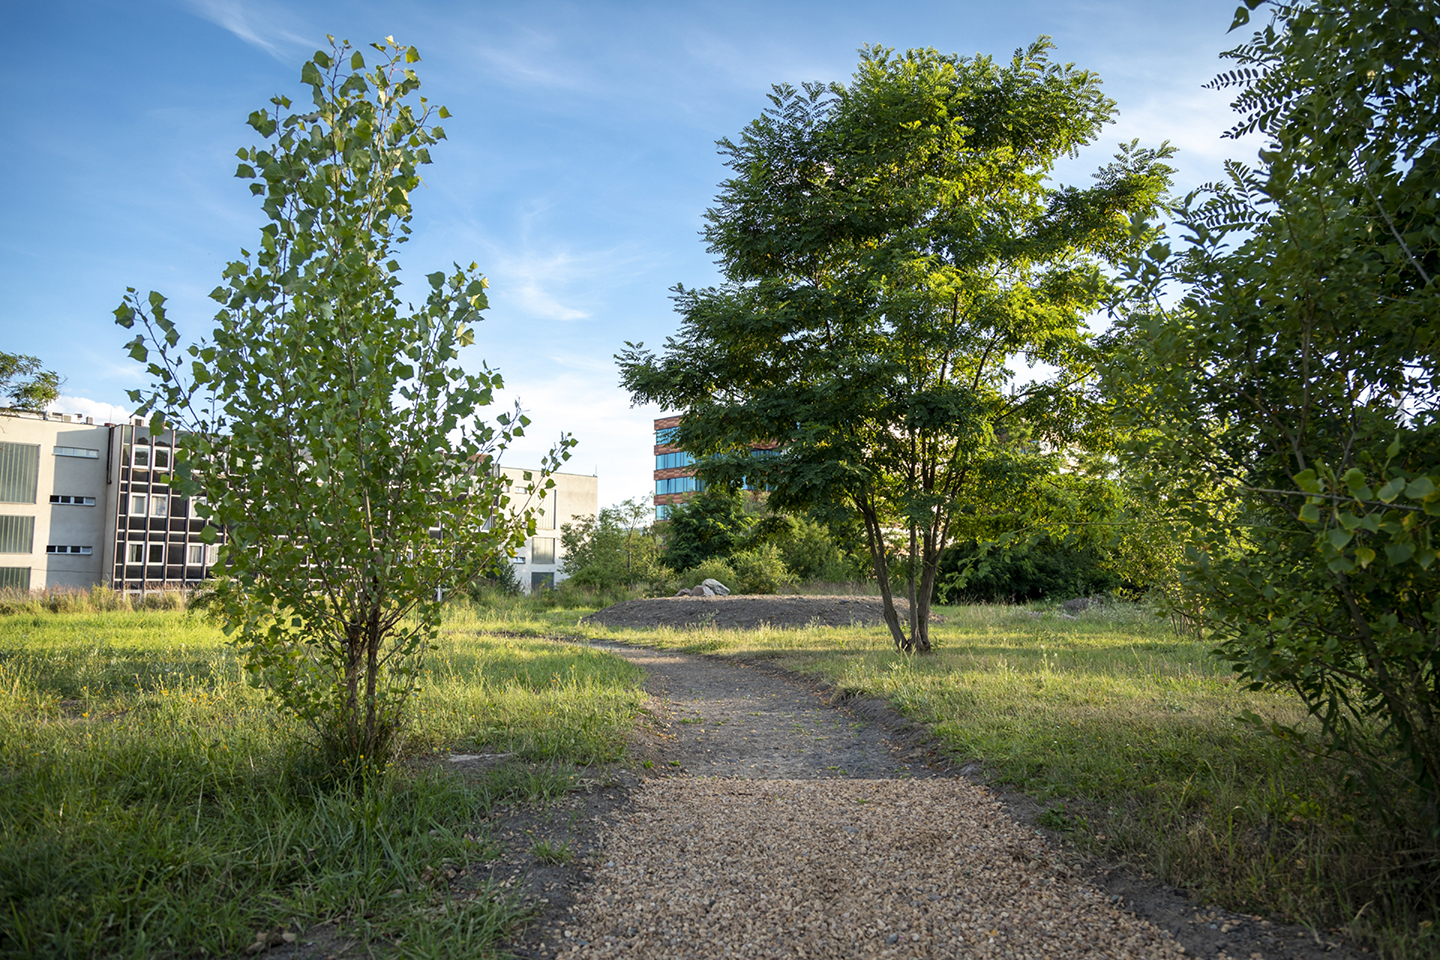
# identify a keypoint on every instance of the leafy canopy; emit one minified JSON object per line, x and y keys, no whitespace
{"x":26,"y":382}
{"x":1289,"y":398}
{"x":891,"y":248}
{"x":329,"y":428}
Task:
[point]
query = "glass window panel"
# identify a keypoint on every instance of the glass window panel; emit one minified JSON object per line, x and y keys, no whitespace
{"x":142,"y":458}
{"x":139,"y":504}
{"x":17,"y":534}
{"x":134,"y":553}
{"x":19,"y":475}
{"x":542,"y":550}
{"x":160,"y":506}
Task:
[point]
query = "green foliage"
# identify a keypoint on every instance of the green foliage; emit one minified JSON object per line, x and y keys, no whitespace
{"x":327,"y":429}
{"x":712,"y":524}
{"x":26,"y":382}
{"x":712,"y":569}
{"x":616,"y":548}
{"x":890,"y":248}
{"x":1289,"y":398}
{"x":807,"y":547}
{"x":760,"y":569}
{"x":155,"y":805}
{"x":1070,"y":534}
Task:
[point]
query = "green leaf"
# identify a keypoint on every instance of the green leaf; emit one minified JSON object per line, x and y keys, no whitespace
{"x":1391,"y":490}
{"x":357,"y":62}
{"x":1398,"y":553}
{"x":444,"y":114}
{"x":1420,"y":488}
{"x":412,"y":55}
{"x":1339,"y":537}
{"x":1308,"y":481}
{"x":1310,"y":513}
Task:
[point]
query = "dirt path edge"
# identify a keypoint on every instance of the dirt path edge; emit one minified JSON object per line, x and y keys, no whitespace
{"x":1204,"y":930}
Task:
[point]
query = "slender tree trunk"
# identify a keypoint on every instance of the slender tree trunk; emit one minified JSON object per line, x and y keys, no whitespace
{"x":915,"y":638}
{"x":874,"y":534}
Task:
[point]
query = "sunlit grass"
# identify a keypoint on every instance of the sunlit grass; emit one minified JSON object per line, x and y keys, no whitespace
{"x":152,"y":803}
{"x":1127,"y":735}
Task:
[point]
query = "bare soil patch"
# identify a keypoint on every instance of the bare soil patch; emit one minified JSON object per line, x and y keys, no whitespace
{"x":746,"y":612}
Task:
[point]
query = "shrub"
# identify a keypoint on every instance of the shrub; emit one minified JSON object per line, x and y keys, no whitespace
{"x":761,"y":569}
{"x":711,"y":570}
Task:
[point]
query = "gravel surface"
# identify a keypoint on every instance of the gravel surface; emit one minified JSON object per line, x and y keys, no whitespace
{"x":861,"y":868}
{"x":772,"y":823}
{"x":747,"y":612}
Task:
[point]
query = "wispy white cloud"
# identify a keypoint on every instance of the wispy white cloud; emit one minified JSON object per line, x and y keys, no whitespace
{"x":615,"y":439}
{"x":258,"y":24}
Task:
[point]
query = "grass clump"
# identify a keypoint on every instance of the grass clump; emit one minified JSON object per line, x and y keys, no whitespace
{"x":154,"y":804}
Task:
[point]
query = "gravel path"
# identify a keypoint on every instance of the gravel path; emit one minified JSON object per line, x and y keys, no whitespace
{"x":773,"y":824}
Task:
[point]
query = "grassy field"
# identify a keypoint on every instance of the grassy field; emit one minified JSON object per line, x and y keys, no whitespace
{"x":1126,"y":734}
{"x":153,"y":804}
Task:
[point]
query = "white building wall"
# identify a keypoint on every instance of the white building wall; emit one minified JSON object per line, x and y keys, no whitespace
{"x":61,"y":475}
{"x":574,"y":497}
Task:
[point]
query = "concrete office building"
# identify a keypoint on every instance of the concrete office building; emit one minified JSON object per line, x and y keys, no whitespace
{"x":574,"y":497}
{"x":84,"y":504}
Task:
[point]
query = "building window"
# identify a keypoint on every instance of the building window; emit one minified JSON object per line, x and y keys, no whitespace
{"x":139,"y":504}
{"x":678,"y":485}
{"x":76,"y":501}
{"x":134,"y":553}
{"x":14,"y":578}
{"x":17,"y":534}
{"x":541,"y":581}
{"x":141,"y":459}
{"x":19,"y":475}
{"x":79,"y":551}
{"x":162,"y":458}
{"x":195,"y":554}
{"x":83,"y":453}
{"x":159,"y":506}
{"x":665,"y":437}
{"x":662,"y":511}
{"x":157,"y":553}
{"x":542,"y":550}
{"x":669,"y":461}
{"x":546,"y":520}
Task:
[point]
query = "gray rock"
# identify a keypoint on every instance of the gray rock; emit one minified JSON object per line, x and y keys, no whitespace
{"x":716,"y":587}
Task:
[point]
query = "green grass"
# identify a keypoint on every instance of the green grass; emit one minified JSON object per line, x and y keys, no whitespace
{"x":1126,"y":733}
{"x":153,"y":804}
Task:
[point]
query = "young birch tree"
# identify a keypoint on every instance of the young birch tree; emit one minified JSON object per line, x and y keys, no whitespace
{"x":328,"y":428}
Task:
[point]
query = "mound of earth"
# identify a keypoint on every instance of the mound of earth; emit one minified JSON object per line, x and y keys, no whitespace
{"x":748,"y":612}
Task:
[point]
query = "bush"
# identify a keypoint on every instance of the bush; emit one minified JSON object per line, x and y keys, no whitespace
{"x":616,"y":548}
{"x":499,"y":581}
{"x":1042,"y":570}
{"x":761,"y":570}
{"x":711,"y":570}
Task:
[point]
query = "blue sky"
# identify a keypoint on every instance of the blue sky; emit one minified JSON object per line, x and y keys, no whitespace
{"x":580,"y":160}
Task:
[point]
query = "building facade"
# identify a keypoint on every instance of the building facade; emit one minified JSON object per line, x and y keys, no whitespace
{"x":539,"y":565}
{"x":85,"y":504}
{"x":675,"y":480}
